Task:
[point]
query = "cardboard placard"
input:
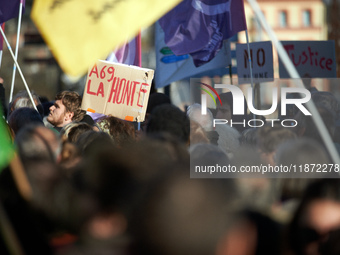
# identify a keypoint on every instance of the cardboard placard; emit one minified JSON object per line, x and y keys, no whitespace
{"x":312,"y":59}
{"x":261,"y":54}
{"x":118,"y":90}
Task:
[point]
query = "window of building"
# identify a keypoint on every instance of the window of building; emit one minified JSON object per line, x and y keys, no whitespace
{"x":306,"y":18}
{"x":283,"y":18}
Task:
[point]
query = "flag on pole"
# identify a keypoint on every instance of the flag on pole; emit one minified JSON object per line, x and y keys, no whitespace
{"x":16,"y":48}
{"x":9,"y":9}
{"x":6,"y":145}
{"x":170,"y":68}
{"x":80,"y":32}
{"x":130,"y":53}
{"x":198,"y":27}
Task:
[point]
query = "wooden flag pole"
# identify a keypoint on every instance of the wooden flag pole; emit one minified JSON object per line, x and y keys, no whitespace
{"x":20,"y":178}
{"x":139,"y":41}
{"x":19,"y":69}
{"x":16,"y":50}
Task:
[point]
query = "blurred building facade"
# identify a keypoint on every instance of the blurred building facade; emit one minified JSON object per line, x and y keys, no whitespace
{"x":290,"y":19}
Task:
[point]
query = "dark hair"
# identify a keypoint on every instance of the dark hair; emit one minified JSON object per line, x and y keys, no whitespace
{"x":169,"y":119}
{"x":269,"y":137}
{"x":72,"y":131}
{"x":177,"y":213}
{"x":299,"y":234}
{"x":248,"y":137}
{"x":86,"y":139}
{"x":327,"y":100}
{"x":33,"y":143}
{"x":155,"y":100}
{"x":22,"y":117}
{"x":306,"y":124}
{"x":121,"y":131}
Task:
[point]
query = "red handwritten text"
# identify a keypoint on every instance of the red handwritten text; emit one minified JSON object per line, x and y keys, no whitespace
{"x":308,"y":57}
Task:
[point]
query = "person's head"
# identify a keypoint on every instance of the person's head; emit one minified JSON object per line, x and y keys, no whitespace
{"x":197,"y":133}
{"x":307,"y":128}
{"x":38,"y":142}
{"x":180,"y":215}
{"x":206,"y":121}
{"x":204,"y":155}
{"x":225,"y":111}
{"x":307,"y":81}
{"x":67,"y":108}
{"x":169,"y":119}
{"x":256,"y":189}
{"x":22,"y":99}
{"x":317,"y":215}
{"x":155,"y":100}
{"x":23,"y":116}
{"x":291,"y":109}
{"x":72,"y":131}
{"x":228,"y":140}
{"x":248,"y":137}
{"x":85,"y":140}
{"x":121,"y":131}
{"x":299,"y":152}
{"x":269,"y":137}
{"x":328,"y":100}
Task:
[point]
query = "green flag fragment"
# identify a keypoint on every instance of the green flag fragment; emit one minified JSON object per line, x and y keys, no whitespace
{"x":6,"y":144}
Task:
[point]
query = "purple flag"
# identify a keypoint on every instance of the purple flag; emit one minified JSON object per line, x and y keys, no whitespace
{"x":198,"y":27}
{"x":129,"y":53}
{"x":9,"y":9}
{"x":170,"y":68}
{"x":1,"y":38}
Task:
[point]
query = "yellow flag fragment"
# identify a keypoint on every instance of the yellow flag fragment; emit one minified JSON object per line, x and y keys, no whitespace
{"x":79,"y":32}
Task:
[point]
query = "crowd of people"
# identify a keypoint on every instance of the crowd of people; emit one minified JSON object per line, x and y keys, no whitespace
{"x":103,"y":186}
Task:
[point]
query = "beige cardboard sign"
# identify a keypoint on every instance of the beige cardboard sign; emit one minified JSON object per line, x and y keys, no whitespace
{"x":118,"y":90}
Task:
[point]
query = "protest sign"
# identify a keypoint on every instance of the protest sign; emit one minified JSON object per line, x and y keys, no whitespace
{"x":261,"y":54}
{"x":314,"y":59}
{"x":79,"y":32}
{"x":118,"y":90}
